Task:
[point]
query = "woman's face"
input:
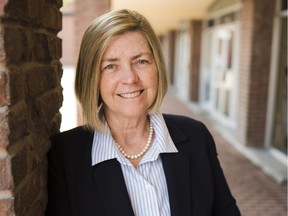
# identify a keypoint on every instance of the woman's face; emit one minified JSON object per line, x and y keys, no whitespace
{"x":128,"y":83}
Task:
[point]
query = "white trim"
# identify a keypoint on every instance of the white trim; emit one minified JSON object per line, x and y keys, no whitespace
{"x":272,"y":80}
{"x":206,"y":45}
{"x":235,"y":98}
{"x":279,"y":155}
{"x":263,"y":158}
{"x":273,"y":84}
{"x":182,"y":62}
{"x":229,"y":9}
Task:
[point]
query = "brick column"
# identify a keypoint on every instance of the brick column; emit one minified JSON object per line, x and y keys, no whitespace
{"x":195,"y":31}
{"x":86,"y":11}
{"x":170,"y":54}
{"x":30,"y":98}
{"x":256,"y":19}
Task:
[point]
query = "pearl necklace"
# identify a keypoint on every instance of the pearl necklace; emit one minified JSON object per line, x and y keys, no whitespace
{"x":144,"y":150}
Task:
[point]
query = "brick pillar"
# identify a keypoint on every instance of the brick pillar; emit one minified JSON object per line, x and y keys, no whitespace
{"x":168,"y":46}
{"x":170,"y":54}
{"x":30,"y":98}
{"x":86,"y":11}
{"x":256,"y":19}
{"x":195,"y":31}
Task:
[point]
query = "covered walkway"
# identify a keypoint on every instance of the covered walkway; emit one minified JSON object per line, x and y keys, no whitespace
{"x":256,"y":193}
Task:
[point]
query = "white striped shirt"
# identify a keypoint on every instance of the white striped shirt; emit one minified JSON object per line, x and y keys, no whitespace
{"x":146,"y":185}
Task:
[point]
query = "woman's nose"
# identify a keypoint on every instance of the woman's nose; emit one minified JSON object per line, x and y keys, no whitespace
{"x":130,"y":76}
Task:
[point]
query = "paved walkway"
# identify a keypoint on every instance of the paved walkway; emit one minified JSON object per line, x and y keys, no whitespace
{"x":256,"y":193}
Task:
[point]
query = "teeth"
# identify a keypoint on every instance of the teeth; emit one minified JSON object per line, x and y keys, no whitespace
{"x":130,"y":95}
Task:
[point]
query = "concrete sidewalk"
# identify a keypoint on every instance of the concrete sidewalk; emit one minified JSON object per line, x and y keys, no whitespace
{"x":256,"y":193}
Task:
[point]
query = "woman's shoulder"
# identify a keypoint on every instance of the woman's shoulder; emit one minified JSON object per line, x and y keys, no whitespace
{"x":181,"y":120}
{"x":72,"y":139}
{"x":74,"y":133}
{"x":190,"y":132}
{"x":187,"y":125}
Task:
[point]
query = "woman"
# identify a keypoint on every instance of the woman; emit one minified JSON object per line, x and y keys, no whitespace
{"x":129,"y":159}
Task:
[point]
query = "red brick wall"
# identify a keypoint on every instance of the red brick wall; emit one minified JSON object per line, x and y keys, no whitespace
{"x":86,"y":11}
{"x":256,"y":19}
{"x":67,"y":34}
{"x":246,"y":18}
{"x":194,"y":65}
{"x":30,"y":98}
{"x":168,"y":46}
{"x":171,"y":52}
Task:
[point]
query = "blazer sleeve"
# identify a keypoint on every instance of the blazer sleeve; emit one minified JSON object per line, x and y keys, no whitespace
{"x":224,"y":202}
{"x":58,"y":201}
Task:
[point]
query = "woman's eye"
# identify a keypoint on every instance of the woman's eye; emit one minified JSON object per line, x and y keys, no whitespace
{"x":109,"y":67}
{"x":142,"y":61}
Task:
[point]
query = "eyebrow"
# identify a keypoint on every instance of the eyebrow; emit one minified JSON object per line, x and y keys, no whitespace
{"x":134,"y":57}
{"x":109,"y":60}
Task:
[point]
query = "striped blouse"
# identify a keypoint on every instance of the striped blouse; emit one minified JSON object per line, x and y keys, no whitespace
{"x":146,"y":184}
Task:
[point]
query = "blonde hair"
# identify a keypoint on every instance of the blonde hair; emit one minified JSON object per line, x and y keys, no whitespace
{"x":94,"y":43}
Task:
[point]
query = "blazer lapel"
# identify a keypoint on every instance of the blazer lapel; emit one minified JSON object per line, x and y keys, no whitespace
{"x":176,"y":168}
{"x":177,"y":171}
{"x":111,"y":185}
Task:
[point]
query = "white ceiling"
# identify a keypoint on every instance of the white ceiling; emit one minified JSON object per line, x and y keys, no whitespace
{"x":165,"y":15}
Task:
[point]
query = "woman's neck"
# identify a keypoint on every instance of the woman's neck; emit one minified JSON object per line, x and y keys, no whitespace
{"x":131,"y":134}
{"x":128,"y":128}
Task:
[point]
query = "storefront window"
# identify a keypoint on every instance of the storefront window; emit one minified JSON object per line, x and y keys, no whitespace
{"x":279,"y":133}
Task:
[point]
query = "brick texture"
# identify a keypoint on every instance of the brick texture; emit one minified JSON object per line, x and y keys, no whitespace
{"x":171,"y":51}
{"x":256,"y":39}
{"x":168,"y":46}
{"x":86,"y":11}
{"x":30,"y":98}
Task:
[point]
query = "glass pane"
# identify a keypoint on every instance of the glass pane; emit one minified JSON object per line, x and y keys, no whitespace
{"x":230,"y":51}
{"x":279,"y":140}
{"x":227,"y":102}
{"x":217,"y":99}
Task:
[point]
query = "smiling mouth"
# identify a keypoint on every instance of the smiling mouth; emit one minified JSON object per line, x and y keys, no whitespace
{"x":131,"y":95}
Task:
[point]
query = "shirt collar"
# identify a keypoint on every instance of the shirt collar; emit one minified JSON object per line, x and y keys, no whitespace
{"x":104,"y":148}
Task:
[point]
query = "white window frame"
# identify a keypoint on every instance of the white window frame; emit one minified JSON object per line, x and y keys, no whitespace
{"x":273,"y":83}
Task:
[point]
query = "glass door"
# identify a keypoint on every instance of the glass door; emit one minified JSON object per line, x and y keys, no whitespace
{"x":224,"y":70}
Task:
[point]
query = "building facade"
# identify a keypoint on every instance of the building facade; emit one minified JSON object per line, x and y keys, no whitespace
{"x":242,"y":80}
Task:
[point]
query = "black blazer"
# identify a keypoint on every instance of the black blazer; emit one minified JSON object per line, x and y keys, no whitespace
{"x":196,"y":184}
